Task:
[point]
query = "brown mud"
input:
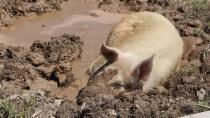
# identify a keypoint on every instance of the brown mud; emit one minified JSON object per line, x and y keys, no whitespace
{"x":13,"y":9}
{"x":38,"y":66}
{"x":186,"y":91}
{"x":78,"y":17}
{"x":56,"y":69}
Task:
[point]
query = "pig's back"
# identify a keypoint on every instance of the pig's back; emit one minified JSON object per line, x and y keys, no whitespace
{"x":143,"y":29}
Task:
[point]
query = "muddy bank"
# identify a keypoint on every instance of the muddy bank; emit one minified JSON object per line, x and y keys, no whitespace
{"x":78,"y":17}
{"x":186,"y":92}
{"x":51,"y":61}
{"x":181,"y":95}
{"x":10,"y":9}
{"x":48,"y":60}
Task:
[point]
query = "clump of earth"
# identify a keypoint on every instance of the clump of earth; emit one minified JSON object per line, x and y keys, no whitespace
{"x":19,"y":67}
{"x":186,"y":91}
{"x":10,"y":9}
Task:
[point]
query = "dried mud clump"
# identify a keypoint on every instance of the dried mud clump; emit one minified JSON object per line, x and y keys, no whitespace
{"x":99,"y":99}
{"x":48,"y":60}
{"x":15,"y":8}
{"x":59,"y":50}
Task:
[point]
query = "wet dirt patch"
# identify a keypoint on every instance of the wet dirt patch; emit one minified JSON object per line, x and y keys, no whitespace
{"x":10,"y":9}
{"x":47,"y":60}
{"x":186,"y":92}
{"x":46,"y":65}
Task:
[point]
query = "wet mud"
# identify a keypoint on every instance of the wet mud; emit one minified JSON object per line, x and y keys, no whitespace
{"x":56,"y":68}
{"x":9,"y":10}
{"x":185,"y":92}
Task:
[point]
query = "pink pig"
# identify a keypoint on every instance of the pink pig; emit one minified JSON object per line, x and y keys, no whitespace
{"x":144,"y":47}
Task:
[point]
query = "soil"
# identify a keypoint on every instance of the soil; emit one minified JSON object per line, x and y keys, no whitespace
{"x":52,"y":72}
{"x":50,"y":60}
{"x":10,"y":9}
{"x":184,"y":92}
{"x":30,"y":104}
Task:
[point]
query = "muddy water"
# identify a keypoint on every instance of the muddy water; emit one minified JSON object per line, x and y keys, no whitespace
{"x":74,"y":18}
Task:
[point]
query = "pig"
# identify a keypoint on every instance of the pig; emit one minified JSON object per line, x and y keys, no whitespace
{"x":145,"y":48}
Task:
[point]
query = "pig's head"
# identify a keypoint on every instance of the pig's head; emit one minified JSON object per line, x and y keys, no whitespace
{"x":131,"y":72}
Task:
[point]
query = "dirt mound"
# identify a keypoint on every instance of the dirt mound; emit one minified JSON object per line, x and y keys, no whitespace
{"x":15,"y":8}
{"x":48,"y":60}
{"x":179,"y":97}
{"x":186,"y":15}
{"x":29,"y":104}
{"x":186,"y":92}
{"x":135,"y":104}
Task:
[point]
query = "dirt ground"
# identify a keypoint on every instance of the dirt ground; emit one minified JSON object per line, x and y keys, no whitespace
{"x":186,"y":92}
{"x":44,"y":60}
{"x":11,"y":9}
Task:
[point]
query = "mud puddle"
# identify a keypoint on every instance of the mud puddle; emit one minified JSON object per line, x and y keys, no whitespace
{"x":91,"y":25}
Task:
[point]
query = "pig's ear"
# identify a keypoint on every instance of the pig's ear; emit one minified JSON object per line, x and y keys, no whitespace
{"x":111,"y":54}
{"x":143,"y":69}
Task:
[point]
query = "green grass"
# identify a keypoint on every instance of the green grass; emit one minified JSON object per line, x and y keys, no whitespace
{"x":7,"y":109}
{"x":204,"y":104}
{"x":10,"y":110}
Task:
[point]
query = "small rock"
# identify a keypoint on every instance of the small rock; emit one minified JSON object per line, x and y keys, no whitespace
{"x":41,"y":92}
{"x":1,"y":68}
{"x":13,"y":97}
{"x":178,"y":17}
{"x":65,"y":65}
{"x":187,"y":108}
{"x":36,"y":59}
{"x":201,"y":79}
{"x":53,"y":57}
{"x":62,"y":79}
{"x":201,"y":94}
{"x":112,"y":112}
{"x":195,"y":23}
{"x":187,"y":31}
{"x":45,"y":70}
{"x":188,"y":79}
{"x":207,"y":29}
{"x":58,"y":102}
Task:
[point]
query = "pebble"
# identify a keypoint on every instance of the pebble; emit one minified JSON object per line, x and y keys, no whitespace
{"x":201,"y":94}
